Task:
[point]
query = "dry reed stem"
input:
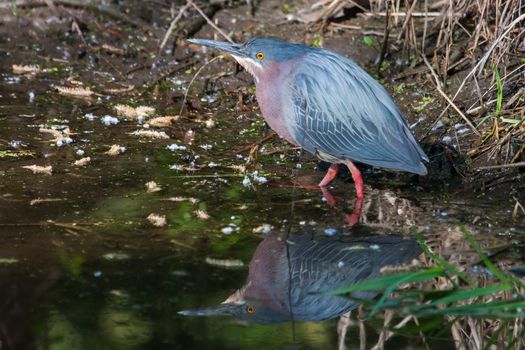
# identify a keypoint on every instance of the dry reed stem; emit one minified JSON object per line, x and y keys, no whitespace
{"x":172,"y":26}
{"x":210,"y":22}
{"x":448,"y":99}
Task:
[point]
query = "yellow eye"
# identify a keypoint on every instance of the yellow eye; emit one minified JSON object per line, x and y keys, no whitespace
{"x":259,"y":55}
{"x":250,"y":309}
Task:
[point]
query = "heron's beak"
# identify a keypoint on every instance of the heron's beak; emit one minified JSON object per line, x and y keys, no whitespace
{"x":223,"y":46}
{"x":218,"y":310}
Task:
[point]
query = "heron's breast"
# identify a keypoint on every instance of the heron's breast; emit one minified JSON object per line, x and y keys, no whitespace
{"x":274,"y":98}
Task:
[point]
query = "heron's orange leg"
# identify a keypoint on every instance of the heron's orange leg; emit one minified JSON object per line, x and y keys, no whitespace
{"x":351,"y":219}
{"x":358,"y":179}
{"x":330,"y":175}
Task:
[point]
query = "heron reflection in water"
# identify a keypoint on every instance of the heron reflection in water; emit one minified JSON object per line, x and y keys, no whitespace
{"x":287,"y":278}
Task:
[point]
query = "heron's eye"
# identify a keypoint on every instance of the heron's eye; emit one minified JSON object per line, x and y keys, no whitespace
{"x":250,"y":309}
{"x":259,"y":55}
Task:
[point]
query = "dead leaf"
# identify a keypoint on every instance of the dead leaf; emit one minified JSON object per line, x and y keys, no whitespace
{"x":201,"y":214}
{"x":113,"y":151}
{"x":144,"y":111}
{"x":82,"y":162}
{"x":44,"y":200}
{"x":239,"y":168}
{"x":182,"y":199}
{"x":113,"y":49}
{"x":37,"y":169}
{"x":224,"y":262}
{"x":60,"y":137}
{"x":152,"y":187}
{"x":120,"y":90}
{"x":209,"y":123}
{"x":132,"y":113}
{"x":55,"y":133}
{"x":162,"y":122}
{"x":151,"y":134}
{"x":157,"y":220}
{"x":26,"y":69}
{"x":75,"y":92}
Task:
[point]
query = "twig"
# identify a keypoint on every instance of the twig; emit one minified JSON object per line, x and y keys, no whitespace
{"x":172,"y":26}
{"x":516,"y":207}
{"x":402,"y":14}
{"x":501,"y":166}
{"x":445,"y":96}
{"x":432,"y":71}
{"x":346,"y":26}
{"x":210,"y":22}
{"x":264,"y":139}
{"x":192,"y":80}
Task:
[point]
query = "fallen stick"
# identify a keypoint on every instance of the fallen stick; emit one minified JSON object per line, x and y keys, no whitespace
{"x":402,"y":14}
{"x":172,"y":26}
{"x":210,"y":22}
{"x":501,"y":166}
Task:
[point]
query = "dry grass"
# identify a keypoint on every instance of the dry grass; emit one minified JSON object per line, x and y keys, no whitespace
{"x":478,"y":42}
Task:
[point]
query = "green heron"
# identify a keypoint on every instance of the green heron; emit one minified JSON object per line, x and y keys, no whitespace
{"x":288,"y":285}
{"x":325,"y":103}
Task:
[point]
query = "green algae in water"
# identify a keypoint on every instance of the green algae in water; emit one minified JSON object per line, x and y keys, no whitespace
{"x":15,"y":154}
{"x":8,"y":261}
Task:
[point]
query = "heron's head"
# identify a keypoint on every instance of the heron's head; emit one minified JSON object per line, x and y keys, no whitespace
{"x":257,"y":55}
{"x":242,"y":309}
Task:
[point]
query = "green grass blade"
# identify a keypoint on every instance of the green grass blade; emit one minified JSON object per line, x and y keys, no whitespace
{"x":500,"y":90}
{"x":389,"y":281}
{"x":468,"y":294}
{"x":492,"y":268}
{"x":483,"y":120}
{"x":499,"y":309}
{"x":410,"y":277}
{"x":511,"y":121}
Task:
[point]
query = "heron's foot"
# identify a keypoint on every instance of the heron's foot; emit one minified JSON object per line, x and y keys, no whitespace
{"x":326,"y":193}
{"x":328,"y":196}
{"x":354,"y":218}
{"x":330,"y":175}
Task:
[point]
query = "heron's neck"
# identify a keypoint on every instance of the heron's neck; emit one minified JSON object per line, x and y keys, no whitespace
{"x":252,"y":67}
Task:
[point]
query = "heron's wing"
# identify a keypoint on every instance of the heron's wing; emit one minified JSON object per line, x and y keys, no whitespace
{"x":343,"y":112}
{"x":327,"y":264}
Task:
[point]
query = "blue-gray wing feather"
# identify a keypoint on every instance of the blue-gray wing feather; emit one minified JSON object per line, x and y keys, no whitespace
{"x":342,"y":112}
